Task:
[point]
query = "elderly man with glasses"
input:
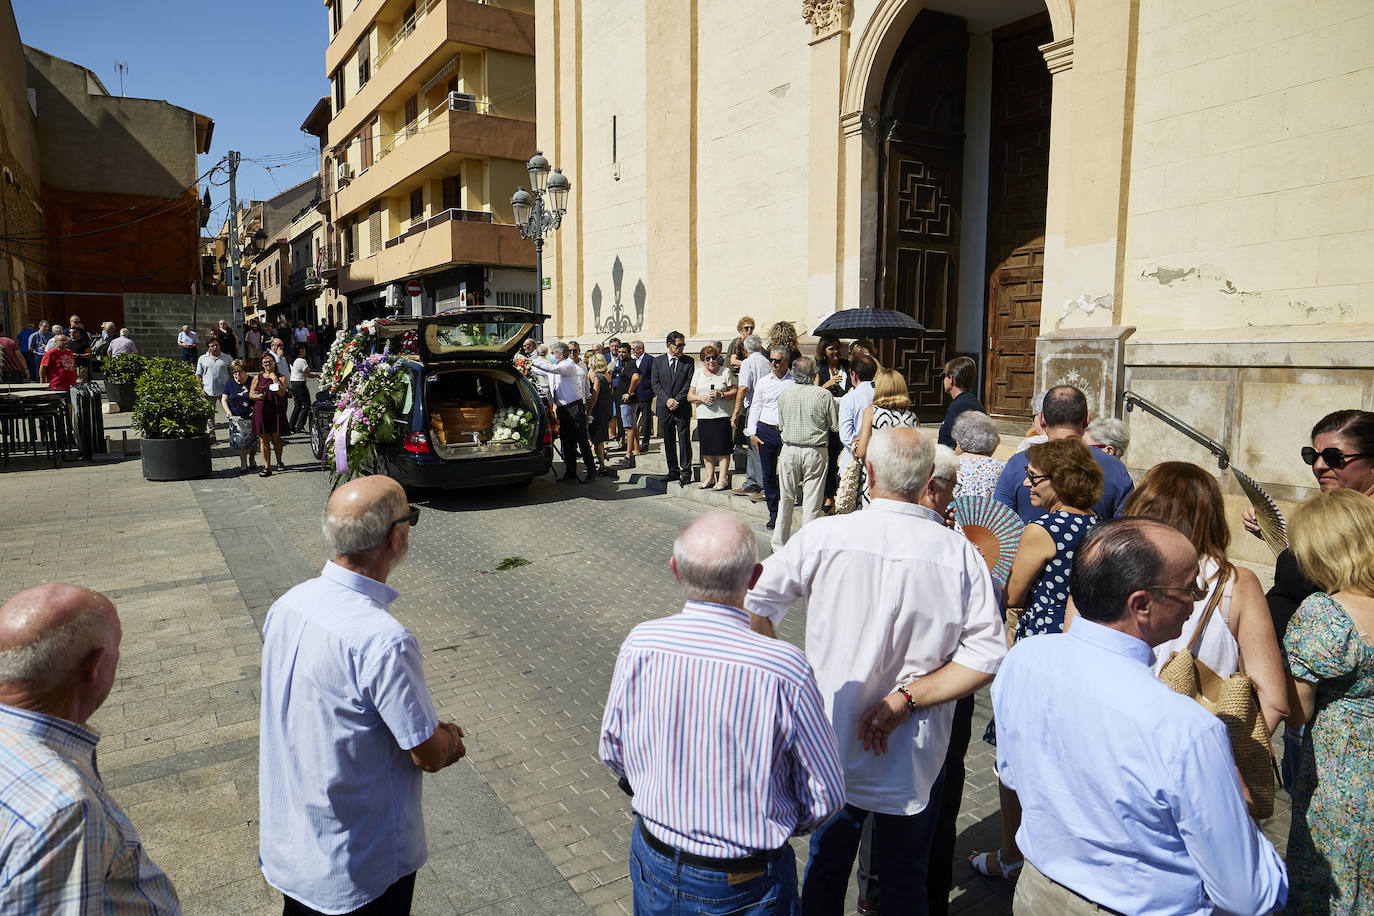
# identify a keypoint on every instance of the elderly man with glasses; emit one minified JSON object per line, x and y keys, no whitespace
{"x":347,"y":725}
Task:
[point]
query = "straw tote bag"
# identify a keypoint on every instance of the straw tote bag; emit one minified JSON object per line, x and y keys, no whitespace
{"x":1234,"y":702}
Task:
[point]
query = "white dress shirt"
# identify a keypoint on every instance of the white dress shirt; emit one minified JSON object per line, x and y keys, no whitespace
{"x":852,"y":407}
{"x":567,"y":379}
{"x":1129,"y":793}
{"x":891,"y":595}
{"x":763,"y":403}
{"x":754,"y":367}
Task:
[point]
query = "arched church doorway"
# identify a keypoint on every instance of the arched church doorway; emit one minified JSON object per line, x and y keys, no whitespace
{"x":963,"y":158}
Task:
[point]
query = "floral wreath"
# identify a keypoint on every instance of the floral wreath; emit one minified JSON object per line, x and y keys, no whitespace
{"x":364,"y":415}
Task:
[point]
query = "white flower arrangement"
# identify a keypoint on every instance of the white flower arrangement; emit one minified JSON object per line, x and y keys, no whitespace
{"x":511,"y":424}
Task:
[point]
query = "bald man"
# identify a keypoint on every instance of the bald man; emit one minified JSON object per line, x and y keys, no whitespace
{"x":347,"y":726}
{"x":722,"y":735}
{"x":65,"y":846}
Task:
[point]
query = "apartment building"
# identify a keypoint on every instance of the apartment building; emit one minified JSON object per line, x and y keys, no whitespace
{"x":431,"y":121}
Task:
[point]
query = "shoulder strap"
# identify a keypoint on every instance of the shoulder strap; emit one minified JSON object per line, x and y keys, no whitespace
{"x":1206,"y":616}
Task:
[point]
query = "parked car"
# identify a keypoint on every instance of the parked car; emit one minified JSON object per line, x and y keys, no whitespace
{"x":471,"y":417}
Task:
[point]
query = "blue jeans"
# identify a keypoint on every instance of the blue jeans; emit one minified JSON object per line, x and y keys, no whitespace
{"x":664,"y":886}
{"x":901,"y":850}
{"x":770,"y":447}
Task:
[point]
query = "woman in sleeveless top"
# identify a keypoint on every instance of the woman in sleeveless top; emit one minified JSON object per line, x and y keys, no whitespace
{"x":1239,"y":635}
{"x":891,"y":407}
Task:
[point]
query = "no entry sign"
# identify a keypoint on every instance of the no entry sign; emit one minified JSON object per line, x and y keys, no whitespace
{"x":414,"y":288}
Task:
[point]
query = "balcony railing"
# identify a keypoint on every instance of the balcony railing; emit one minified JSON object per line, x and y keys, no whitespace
{"x":384,"y":55}
{"x":329,"y":258}
{"x":456,"y":101}
{"x":303,"y":280}
{"x":444,"y":216}
{"x":421,"y":10}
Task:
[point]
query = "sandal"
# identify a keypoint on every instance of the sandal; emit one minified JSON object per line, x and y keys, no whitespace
{"x":982,"y":862}
{"x":265,"y":472}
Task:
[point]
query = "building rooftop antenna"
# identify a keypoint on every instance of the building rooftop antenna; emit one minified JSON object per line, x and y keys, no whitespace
{"x":121,"y":68}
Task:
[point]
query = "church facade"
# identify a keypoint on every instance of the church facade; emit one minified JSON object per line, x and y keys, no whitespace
{"x":1171,"y":198}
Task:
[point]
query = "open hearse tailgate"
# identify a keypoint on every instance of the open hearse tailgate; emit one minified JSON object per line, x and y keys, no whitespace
{"x":464,"y":335}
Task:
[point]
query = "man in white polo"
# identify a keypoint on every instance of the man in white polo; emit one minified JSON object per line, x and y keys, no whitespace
{"x":902,"y":619}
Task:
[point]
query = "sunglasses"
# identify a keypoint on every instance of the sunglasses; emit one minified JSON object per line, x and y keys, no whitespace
{"x":413,"y":517}
{"x":778,"y":362}
{"x":1334,"y":457}
{"x":1195,"y":593}
{"x":1036,"y":480}
{"x":711,"y":359}
{"x":747,"y":327}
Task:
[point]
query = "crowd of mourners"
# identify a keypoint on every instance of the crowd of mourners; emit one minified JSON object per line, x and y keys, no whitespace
{"x":1119,"y":793}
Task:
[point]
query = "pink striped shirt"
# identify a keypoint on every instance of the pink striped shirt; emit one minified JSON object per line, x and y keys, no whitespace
{"x":721,"y":733}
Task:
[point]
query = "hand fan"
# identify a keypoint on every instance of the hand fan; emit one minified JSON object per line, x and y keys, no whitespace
{"x":1272,"y":526}
{"x":991,"y":527}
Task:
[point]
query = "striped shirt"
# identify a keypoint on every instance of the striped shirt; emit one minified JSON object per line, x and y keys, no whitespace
{"x":65,"y":847}
{"x":343,"y":702}
{"x":806,"y":415}
{"x":721,"y":733}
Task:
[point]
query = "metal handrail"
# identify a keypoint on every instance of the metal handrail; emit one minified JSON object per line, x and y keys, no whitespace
{"x":1218,"y":450}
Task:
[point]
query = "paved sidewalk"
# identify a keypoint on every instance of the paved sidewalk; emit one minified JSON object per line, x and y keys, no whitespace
{"x":531,"y":822}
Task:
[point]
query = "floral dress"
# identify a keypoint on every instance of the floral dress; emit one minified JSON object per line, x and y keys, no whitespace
{"x":1331,"y":841}
{"x":1050,"y":594}
{"x":978,"y":475}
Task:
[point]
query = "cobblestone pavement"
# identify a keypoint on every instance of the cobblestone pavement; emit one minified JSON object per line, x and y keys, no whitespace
{"x":531,"y":822}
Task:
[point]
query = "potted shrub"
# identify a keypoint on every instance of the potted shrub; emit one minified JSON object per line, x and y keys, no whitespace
{"x":121,"y":372}
{"x":171,"y":413}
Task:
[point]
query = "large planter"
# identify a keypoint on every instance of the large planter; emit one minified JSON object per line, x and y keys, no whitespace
{"x":121,"y":393}
{"x":176,"y":459}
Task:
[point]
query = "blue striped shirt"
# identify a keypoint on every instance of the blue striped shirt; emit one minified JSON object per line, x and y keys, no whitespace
{"x":721,"y":733}
{"x":343,"y":702}
{"x":65,"y":846}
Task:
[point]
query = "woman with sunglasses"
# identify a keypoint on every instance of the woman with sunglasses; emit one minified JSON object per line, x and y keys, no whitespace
{"x":1342,"y":458}
{"x":1066,"y":483}
{"x":713,"y":391}
{"x":738,"y":354}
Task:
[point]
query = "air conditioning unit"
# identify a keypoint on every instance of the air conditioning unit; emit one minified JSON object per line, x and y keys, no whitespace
{"x":461,"y":101}
{"x":345,"y":172}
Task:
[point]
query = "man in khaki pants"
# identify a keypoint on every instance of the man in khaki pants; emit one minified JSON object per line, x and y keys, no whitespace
{"x":806,"y":416}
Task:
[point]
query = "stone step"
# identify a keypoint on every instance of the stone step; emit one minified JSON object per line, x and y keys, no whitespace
{"x":651,"y":467}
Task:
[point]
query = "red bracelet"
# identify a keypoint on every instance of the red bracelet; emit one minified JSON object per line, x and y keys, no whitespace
{"x":910,"y":703}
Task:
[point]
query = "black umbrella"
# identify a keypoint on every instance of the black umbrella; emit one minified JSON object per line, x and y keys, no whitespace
{"x":873,"y":323}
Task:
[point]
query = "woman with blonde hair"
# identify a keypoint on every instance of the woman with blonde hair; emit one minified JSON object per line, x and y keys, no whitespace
{"x":891,"y":407}
{"x":784,"y":334}
{"x":1239,"y":634}
{"x":1331,"y":663}
{"x":599,"y":407}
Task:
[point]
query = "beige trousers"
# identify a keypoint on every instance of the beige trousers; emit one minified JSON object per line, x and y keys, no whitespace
{"x":799,"y":467}
{"x":1037,"y":895}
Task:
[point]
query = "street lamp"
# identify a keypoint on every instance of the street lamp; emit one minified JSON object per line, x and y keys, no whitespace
{"x":535,"y":220}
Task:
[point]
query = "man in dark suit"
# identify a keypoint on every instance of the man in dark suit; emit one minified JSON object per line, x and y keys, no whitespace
{"x":643,"y":399}
{"x":672,"y":377}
